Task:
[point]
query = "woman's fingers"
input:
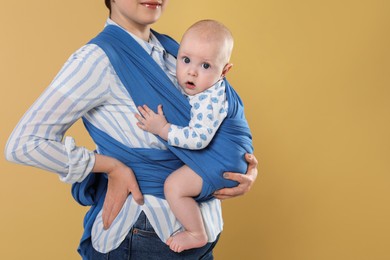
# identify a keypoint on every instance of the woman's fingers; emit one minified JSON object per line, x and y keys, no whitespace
{"x":252,"y":165}
{"x":245,"y":180}
{"x":121,"y":182}
{"x":113,"y":204}
{"x":135,"y":190}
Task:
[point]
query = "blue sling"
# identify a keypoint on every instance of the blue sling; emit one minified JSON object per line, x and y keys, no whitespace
{"x":148,"y":84}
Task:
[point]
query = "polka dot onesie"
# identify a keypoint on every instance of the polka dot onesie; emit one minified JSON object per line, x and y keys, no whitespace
{"x":208,"y":110}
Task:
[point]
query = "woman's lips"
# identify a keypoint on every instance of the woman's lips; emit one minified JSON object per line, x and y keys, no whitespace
{"x":152,"y":5}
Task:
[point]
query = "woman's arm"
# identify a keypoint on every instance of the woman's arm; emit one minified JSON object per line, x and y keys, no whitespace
{"x":37,"y":139}
{"x":245,"y":180}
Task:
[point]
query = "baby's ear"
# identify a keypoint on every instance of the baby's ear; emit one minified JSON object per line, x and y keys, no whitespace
{"x":226,"y":69}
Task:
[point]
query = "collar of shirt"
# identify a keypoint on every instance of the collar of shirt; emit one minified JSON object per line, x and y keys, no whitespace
{"x":213,"y":90}
{"x":152,"y":45}
{"x":141,"y":42}
{"x":169,"y":60}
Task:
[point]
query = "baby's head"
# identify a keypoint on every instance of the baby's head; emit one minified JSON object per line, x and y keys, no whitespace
{"x":204,"y":56}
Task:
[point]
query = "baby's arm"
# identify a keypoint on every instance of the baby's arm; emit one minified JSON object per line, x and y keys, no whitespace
{"x":207,"y":114}
{"x":208,"y":110}
{"x":195,"y":136}
{"x":154,"y":123}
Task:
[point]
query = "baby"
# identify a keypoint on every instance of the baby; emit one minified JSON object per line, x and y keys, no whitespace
{"x":202,"y":63}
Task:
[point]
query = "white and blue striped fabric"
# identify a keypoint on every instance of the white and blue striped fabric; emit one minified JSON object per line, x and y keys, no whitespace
{"x":87,"y":85}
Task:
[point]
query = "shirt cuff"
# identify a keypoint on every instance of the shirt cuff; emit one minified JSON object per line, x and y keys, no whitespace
{"x":80,"y":163}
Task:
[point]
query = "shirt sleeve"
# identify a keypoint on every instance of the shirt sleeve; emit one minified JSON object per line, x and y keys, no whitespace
{"x":208,"y":110}
{"x":81,"y":85}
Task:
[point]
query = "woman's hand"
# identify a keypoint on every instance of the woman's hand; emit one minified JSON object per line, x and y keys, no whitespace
{"x":245,"y":180}
{"x":121,"y":182}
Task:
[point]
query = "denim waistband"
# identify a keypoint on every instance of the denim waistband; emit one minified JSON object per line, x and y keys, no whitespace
{"x":143,"y":226}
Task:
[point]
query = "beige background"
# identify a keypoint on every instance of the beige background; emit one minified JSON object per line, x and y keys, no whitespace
{"x":314,"y":76}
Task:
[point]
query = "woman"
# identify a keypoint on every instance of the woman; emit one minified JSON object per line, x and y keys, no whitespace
{"x":90,"y":86}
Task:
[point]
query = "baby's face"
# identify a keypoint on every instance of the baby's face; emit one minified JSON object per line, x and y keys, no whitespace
{"x":199,"y":64}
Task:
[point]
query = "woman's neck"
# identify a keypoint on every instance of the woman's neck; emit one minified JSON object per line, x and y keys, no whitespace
{"x":139,"y":30}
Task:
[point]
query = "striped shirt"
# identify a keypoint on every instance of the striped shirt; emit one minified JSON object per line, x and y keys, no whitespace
{"x":88,"y":86}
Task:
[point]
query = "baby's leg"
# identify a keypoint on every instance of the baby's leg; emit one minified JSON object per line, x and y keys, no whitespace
{"x":180,"y":187}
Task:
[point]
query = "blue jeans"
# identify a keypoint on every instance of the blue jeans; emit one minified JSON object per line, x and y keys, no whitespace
{"x":142,"y":243}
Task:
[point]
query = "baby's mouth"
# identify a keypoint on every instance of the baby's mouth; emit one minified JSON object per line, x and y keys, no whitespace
{"x":190,"y":85}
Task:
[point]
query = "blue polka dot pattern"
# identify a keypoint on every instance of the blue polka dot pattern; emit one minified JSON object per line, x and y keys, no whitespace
{"x":208,"y":110}
{"x":202,"y":97}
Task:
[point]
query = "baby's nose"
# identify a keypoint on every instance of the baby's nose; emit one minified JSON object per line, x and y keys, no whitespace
{"x":192,"y":72}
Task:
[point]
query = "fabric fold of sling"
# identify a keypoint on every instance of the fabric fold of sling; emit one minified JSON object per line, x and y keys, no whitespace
{"x":147,"y":84}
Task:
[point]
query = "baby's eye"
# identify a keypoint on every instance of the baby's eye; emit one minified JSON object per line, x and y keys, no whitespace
{"x":186,"y":60}
{"x":205,"y":66}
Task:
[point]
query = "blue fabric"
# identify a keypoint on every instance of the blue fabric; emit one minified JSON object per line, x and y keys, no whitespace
{"x":134,"y":67}
{"x":147,"y":84}
{"x":151,"y":166}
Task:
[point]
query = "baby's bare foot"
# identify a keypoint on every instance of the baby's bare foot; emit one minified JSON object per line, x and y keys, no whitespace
{"x":186,"y":240}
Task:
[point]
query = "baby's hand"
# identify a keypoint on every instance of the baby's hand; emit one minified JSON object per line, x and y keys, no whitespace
{"x":152,"y":122}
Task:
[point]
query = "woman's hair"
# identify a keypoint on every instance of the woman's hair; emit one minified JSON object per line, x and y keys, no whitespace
{"x":108,"y":4}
